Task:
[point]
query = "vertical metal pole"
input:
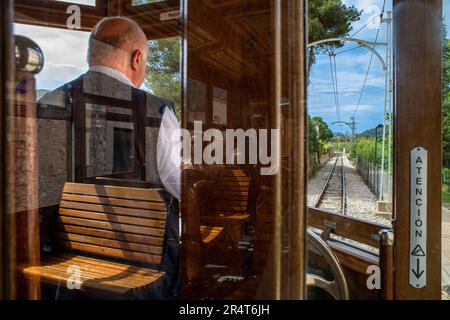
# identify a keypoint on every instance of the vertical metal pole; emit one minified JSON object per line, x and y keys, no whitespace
{"x":390,"y":88}
{"x":384,"y":131}
{"x":376,"y":143}
{"x":386,"y":99}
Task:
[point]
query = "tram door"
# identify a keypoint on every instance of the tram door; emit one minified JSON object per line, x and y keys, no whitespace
{"x":244,"y":100}
{"x":241,"y":102}
{"x":240,"y":75}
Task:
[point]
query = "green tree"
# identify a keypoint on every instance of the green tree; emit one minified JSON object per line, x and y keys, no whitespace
{"x":313,"y":138}
{"x":328,"y":19}
{"x":325,"y":134}
{"x":163,"y":77}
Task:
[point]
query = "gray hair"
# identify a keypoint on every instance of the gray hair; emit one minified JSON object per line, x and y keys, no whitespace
{"x":115,"y":46}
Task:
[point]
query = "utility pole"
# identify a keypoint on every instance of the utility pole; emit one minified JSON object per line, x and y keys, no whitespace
{"x":353,"y":124}
{"x":390,"y":96}
{"x":387,"y":102}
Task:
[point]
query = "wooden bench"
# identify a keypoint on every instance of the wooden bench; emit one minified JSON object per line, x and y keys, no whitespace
{"x":231,"y":211}
{"x":98,"y":224}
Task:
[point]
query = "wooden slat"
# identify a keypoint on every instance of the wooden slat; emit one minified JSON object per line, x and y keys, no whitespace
{"x":112,"y":218}
{"x":233,"y":179}
{"x":235,"y":217}
{"x":111,"y":191}
{"x":234,"y":173}
{"x":234,"y":189}
{"x":236,"y":202}
{"x":99,"y":274}
{"x":111,"y":252}
{"x":112,"y":226}
{"x":233,"y":193}
{"x":115,"y":210}
{"x":117,"y":235}
{"x":157,"y":206}
{"x":353,"y":258}
{"x":235,"y":184}
{"x":95,"y":274}
{"x":130,"y":246}
{"x":103,"y":269}
{"x":210,"y":233}
{"x":351,"y":228}
{"x":231,"y":211}
{"x":119,"y":267}
{"x":52,"y":276}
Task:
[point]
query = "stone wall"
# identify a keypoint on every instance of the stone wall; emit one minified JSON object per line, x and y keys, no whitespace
{"x":52,"y":160}
{"x":151,"y":170}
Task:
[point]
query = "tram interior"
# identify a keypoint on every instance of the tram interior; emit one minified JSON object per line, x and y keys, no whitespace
{"x":87,"y":194}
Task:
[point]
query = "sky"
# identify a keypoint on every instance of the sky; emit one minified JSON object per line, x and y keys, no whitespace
{"x":65,"y":59}
{"x":351,"y":69}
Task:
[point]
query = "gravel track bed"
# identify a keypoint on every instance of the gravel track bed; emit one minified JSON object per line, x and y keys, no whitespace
{"x":361,"y":201}
{"x":315,"y":185}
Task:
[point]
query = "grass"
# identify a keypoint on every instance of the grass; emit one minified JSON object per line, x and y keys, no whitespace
{"x":445,"y":193}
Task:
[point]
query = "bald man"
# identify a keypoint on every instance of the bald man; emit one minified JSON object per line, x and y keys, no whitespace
{"x":118,"y":46}
{"x":117,"y":58}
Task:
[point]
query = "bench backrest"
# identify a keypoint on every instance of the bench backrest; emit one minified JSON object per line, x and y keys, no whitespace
{"x":117,"y":222}
{"x":235,"y":184}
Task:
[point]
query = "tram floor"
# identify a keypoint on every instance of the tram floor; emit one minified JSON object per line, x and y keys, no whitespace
{"x":446,"y":251}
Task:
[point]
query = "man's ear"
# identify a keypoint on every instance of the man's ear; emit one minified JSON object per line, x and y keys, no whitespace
{"x":136,"y":59}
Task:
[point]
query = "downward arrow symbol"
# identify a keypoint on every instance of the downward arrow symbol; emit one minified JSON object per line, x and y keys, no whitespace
{"x":418,"y":273}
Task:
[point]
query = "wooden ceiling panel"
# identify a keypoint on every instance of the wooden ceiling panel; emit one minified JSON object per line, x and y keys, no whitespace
{"x":234,"y":64}
{"x":255,"y":28}
{"x":199,"y":38}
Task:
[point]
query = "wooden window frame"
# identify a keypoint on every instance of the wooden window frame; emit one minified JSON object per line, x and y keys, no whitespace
{"x":50,"y":13}
{"x":418,"y":91}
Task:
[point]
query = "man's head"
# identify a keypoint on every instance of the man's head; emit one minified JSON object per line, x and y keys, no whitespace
{"x":119,"y":43}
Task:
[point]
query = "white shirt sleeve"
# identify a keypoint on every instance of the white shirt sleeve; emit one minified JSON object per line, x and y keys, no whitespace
{"x":169,"y":153}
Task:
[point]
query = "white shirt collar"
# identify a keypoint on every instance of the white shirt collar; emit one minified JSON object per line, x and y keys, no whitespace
{"x":113,"y":73}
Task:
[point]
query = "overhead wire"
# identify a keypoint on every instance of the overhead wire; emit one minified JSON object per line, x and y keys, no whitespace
{"x":344,"y":51}
{"x":370,"y":63}
{"x":364,"y":26}
{"x":333,"y":74}
{"x":337,"y":87}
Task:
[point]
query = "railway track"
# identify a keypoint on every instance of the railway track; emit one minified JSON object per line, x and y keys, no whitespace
{"x":333,"y":195}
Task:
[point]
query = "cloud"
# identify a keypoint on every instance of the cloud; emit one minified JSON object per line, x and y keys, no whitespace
{"x":64,"y":53}
{"x":349,"y":84}
{"x":348,"y":109}
{"x":351,"y":70}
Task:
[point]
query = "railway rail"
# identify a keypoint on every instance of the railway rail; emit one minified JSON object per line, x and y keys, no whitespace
{"x":333,"y":194}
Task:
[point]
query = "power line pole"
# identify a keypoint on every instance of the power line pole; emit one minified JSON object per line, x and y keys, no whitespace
{"x":387,"y":101}
{"x":353,"y":126}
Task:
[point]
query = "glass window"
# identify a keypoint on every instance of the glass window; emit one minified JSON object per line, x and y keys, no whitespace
{"x":64,"y":53}
{"x":86,"y":2}
{"x":140,"y":2}
{"x":109,"y":140}
{"x":350,"y":111}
